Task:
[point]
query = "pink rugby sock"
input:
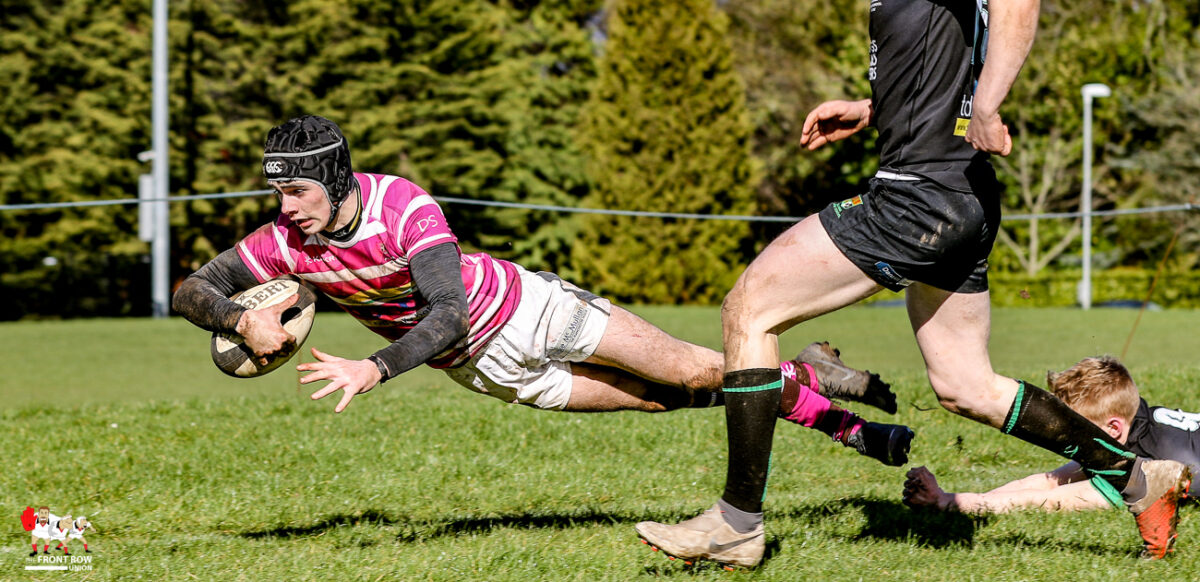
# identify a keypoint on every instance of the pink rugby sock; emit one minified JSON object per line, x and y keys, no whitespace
{"x":810,"y":406}
{"x":813,"y":410}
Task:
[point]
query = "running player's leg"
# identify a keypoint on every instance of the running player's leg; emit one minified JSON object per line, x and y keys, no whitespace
{"x":800,"y":275}
{"x":638,"y":366}
{"x":952,"y":332}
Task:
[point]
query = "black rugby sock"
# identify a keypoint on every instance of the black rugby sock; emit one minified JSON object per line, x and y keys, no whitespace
{"x":1039,"y":418}
{"x":751,"y":406}
{"x":708,"y":399}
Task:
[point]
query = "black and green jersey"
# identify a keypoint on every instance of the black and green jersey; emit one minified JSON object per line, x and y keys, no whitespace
{"x":924,"y":62}
{"x":1167,"y":433}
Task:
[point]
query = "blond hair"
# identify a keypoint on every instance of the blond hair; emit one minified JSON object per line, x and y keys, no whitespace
{"x":1097,"y":388}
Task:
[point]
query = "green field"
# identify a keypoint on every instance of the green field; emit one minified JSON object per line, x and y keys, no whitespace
{"x":189,"y":475}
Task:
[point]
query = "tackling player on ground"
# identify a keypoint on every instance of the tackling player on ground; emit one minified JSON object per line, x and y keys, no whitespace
{"x":380,"y":248}
{"x":926,"y":226}
{"x":1103,"y":392}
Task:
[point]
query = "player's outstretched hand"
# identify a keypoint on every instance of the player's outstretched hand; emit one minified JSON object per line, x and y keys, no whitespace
{"x":834,"y":120}
{"x":263,"y":330}
{"x":353,"y":377}
{"x":921,"y":489}
{"x":987,"y":133}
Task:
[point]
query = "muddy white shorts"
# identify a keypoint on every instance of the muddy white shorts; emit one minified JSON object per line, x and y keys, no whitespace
{"x":529,"y":360}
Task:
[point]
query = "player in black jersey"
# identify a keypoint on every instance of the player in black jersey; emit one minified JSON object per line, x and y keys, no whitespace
{"x":926,"y":226}
{"x":1102,"y":391}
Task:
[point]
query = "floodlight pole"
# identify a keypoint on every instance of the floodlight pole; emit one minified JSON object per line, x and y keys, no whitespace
{"x":1089,"y":91}
{"x":160,"y":250}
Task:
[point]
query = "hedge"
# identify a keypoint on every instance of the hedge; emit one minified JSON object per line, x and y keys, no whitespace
{"x":1178,"y":290}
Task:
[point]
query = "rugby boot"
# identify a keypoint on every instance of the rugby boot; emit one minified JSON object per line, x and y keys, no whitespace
{"x":837,"y":380}
{"x":1157,"y":512}
{"x":705,"y":537}
{"x":886,"y":443}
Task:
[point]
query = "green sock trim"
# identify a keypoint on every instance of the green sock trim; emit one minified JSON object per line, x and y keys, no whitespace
{"x":1123,"y":453}
{"x":1016,"y":409}
{"x":776,"y":385}
{"x":770,"y":459}
{"x":1106,"y":490}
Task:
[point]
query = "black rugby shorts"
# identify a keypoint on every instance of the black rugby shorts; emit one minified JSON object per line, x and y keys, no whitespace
{"x":903,"y":231}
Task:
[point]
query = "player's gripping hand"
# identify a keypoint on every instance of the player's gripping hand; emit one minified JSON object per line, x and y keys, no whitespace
{"x":834,"y":120}
{"x":263,"y":331}
{"x":987,"y":133}
{"x":353,"y":377}
{"x":921,"y":490}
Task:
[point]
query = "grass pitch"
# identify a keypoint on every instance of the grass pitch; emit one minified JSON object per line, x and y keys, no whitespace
{"x":190,"y":475}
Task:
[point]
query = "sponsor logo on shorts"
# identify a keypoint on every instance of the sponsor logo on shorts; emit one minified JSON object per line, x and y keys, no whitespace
{"x":847,"y":204}
{"x":565,"y":343}
{"x":891,"y":275}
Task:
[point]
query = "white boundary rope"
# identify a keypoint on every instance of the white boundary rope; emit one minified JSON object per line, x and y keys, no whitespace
{"x":494,"y":203}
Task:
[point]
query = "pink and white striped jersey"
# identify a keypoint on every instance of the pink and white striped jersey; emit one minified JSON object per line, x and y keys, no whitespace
{"x":368,"y":275}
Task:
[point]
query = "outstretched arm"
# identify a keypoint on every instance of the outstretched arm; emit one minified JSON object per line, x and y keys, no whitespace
{"x":203,"y":299}
{"x":1064,"y":489}
{"x":1011,"y":27}
{"x":437,"y":274}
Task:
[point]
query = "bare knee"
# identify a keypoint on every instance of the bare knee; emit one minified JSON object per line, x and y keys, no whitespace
{"x":704,"y":378}
{"x":975,"y":398}
{"x":739,"y":317}
{"x":733,"y":308}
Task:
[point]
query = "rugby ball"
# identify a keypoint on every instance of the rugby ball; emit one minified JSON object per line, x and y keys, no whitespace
{"x":229,"y":351}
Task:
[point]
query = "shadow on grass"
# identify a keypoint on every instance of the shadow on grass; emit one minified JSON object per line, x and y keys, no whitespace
{"x":893,"y":521}
{"x":886,"y":520}
{"x":369,"y":517}
{"x":1057,"y":544}
{"x":413,"y":531}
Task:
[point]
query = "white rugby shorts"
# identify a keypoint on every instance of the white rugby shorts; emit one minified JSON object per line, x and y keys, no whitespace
{"x":58,"y":535}
{"x":41,"y":531}
{"x":529,"y":359}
